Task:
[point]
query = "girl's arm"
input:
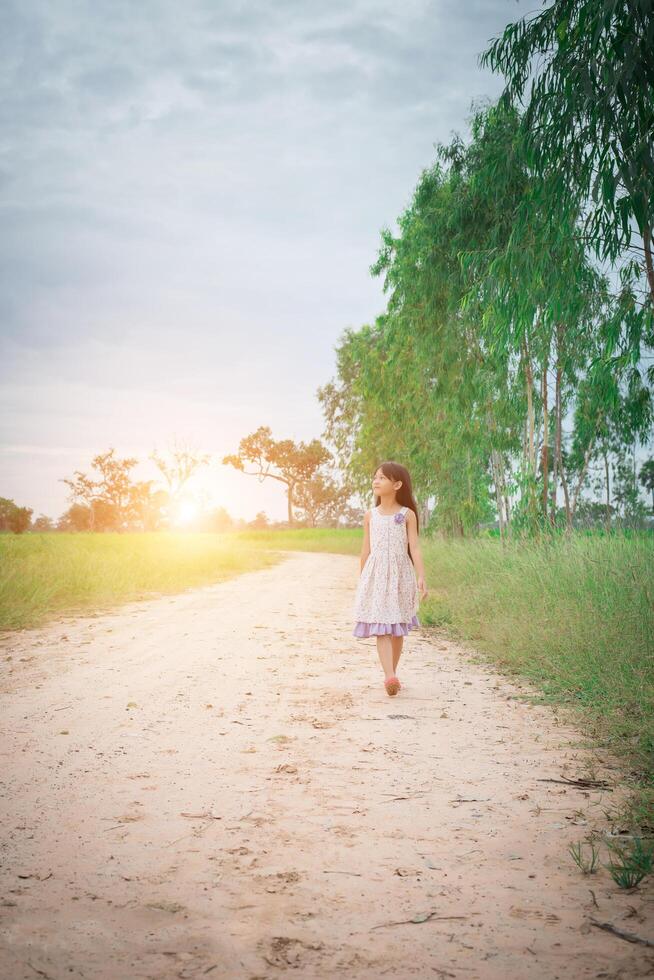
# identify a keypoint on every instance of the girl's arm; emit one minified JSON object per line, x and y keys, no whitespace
{"x":414,"y":548}
{"x":365,"y":550}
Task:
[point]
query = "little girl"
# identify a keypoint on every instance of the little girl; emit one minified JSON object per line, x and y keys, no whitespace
{"x":387,"y":599}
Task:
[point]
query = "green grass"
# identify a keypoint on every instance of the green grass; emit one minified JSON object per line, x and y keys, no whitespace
{"x":575,"y":617}
{"x":44,"y":575}
{"x":343,"y":541}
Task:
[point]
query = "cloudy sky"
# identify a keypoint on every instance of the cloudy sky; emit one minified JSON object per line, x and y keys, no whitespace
{"x":192,"y":195}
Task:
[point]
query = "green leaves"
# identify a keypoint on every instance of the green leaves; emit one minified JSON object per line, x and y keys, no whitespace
{"x":494,"y":284}
{"x":589,"y":112}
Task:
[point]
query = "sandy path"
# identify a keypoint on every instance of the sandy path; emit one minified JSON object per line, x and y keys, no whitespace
{"x":216,"y":784}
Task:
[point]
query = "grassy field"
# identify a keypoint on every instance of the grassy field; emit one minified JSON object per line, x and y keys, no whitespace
{"x":343,"y":541}
{"x":575,"y":616}
{"x":43,"y":575}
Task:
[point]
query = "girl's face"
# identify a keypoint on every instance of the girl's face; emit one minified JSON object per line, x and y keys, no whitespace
{"x":383,"y":486}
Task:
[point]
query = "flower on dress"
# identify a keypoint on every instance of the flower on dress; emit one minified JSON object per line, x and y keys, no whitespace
{"x":399,"y":517}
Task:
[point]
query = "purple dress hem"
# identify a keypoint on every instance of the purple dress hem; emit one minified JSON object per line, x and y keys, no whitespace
{"x":365,"y":630}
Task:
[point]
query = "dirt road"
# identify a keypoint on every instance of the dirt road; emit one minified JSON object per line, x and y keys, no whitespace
{"x":216,"y":784}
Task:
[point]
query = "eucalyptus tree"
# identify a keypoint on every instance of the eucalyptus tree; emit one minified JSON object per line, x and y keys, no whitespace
{"x":543,"y":302}
{"x":585,"y":72}
{"x":359,"y":422}
{"x":426,"y":328}
{"x":493,"y":300}
{"x":624,"y":405}
{"x":424,"y":380}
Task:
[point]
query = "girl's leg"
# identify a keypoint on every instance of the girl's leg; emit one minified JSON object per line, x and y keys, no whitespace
{"x":397,"y":642}
{"x":385,"y":654}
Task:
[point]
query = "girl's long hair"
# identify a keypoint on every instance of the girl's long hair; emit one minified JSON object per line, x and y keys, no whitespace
{"x":395,"y":471}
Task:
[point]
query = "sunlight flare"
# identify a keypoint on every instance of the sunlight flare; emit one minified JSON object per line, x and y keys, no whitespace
{"x":186,"y":512}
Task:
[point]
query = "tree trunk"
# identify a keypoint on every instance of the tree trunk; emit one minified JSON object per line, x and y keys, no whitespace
{"x":498,"y":491}
{"x":649,"y":265}
{"x":507,"y":502}
{"x":525,"y":453}
{"x":289,"y":498}
{"x":507,"y":505}
{"x":497,"y":465}
{"x":555,"y":462}
{"x":584,"y":469}
{"x":469,"y":481}
{"x":566,"y":499}
{"x":529,"y":379}
{"x":545,"y":449}
{"x":608,"y":492}
{"x":582,"y":477}
{"x":559,"y":428}
{"x":635,"y":478}
{"x":424,"y":514}
{"x":531,"y":446}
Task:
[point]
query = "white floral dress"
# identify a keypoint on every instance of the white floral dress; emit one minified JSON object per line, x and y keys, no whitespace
{"x":387,"y":592}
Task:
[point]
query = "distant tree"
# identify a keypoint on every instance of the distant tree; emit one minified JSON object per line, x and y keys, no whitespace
{"x":218,"y":520}
{"x":14,"y":518}
{"x":43,"y":523}
{"x":114,"y":500}
{"x":633,"y":510}
{"x":285,"y":461}
{"x":148,"y":507}
{"x":182,"y":462}
{"x":260,"y":522}
{"x":319,"y":500}
{"x":588,"y":514}
{"x":105,"y":516}
{"x":21,"y":520}
{"x":78,"y":517}
{"x":646,"y":477}
{"x":350,"y":516}
{"x":6,"y":509}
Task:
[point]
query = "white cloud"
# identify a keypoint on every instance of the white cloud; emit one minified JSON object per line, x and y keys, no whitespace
{"x":191,"y":197}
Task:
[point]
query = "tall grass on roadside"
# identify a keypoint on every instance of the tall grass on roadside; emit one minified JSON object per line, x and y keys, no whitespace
{"x":574,"y":615}
{"x":42,"y":575}
{"x":345,"y":541}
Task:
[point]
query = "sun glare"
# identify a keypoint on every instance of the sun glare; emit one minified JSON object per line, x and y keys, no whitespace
{"x":187,"y":511}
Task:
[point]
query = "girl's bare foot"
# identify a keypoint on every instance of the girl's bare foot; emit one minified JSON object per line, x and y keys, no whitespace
{"x":392,"y":685}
